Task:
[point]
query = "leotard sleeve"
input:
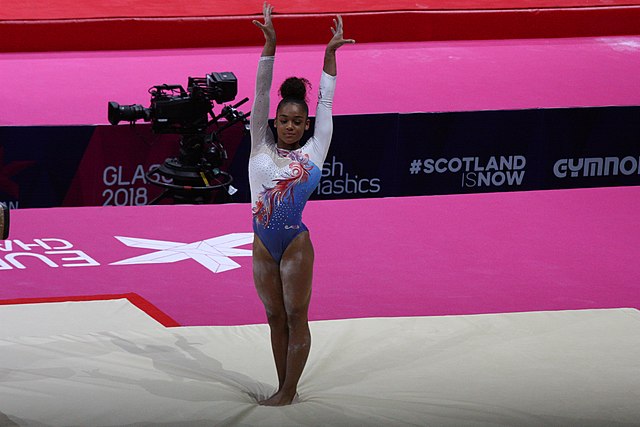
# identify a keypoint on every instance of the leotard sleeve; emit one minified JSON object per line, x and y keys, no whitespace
{"x":261,"y":135}
{"x":318,"y":145}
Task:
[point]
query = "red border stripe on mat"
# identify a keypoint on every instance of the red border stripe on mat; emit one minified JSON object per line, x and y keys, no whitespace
{"x":135,"y":299}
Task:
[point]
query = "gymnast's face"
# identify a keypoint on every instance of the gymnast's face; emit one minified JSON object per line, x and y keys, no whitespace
{"x":291,"y":122}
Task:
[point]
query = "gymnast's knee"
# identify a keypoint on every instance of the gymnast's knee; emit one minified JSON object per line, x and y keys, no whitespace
{"x":297,"y":317}
{"x":277,"y":318}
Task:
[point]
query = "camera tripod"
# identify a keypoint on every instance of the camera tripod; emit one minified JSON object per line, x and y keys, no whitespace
{"x":195,"y":175}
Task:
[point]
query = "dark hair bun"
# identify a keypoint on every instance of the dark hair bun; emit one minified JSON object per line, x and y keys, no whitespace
{"x":295,"y":88}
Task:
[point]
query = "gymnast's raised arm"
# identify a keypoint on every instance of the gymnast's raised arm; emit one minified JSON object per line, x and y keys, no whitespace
{"x":268,"y":30}
{"x":323,"y":129}
{"x":260,"y":133}
{"x":336,"y":42}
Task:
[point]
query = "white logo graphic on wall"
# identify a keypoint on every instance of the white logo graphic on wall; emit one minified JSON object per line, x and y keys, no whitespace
{"x":126,"y":188}
{"x":497,"y":171}
{"x":336,"y":180}
{"x":596,"y":166}
{"x":214,"y":254}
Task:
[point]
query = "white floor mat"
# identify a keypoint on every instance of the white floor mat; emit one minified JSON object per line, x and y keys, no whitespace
{"x":563,"y":368}
{"x":78,"y":317}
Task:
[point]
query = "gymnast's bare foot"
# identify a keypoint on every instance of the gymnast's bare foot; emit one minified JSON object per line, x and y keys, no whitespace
{"x":279,"y":399}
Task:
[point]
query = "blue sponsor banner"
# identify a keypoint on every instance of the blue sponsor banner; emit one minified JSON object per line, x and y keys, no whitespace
{"x":495,"y":151}
{"x":377,"y":155}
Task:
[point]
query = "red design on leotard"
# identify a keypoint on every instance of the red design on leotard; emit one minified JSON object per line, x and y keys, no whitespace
{"x":271,"y":197}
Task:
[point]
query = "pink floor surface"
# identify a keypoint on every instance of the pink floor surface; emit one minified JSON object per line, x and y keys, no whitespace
{"x":439,"y":255}
{"x":73,"y":88}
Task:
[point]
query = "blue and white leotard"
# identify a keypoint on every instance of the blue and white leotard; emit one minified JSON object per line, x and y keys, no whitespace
{"x":282,"y":180}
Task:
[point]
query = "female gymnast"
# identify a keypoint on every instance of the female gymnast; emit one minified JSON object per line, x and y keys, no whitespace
{"x":282,"y":176}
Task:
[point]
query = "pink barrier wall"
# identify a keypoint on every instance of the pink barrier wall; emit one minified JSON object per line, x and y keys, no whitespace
{"x":74,"y":88}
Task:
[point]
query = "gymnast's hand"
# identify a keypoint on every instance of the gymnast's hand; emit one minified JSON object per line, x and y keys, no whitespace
{"x":267,"y":27}
{"x":338,"y":40}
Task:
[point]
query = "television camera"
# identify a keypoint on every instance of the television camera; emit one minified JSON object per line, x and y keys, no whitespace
{"x":195,"y":173}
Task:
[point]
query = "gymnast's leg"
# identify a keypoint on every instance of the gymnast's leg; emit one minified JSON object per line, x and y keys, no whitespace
{"x":266,"y":276}
{"x":296,"y":270}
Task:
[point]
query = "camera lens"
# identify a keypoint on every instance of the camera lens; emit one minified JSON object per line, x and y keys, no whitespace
{"x":129,"y":113}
